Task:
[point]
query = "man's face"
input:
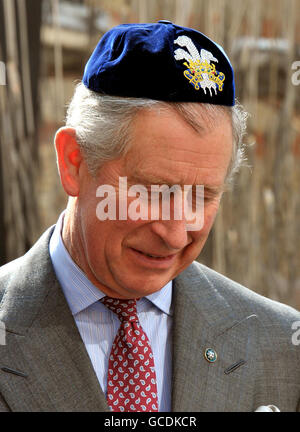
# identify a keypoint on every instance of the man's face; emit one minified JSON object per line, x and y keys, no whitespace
{"x":164,"y":149}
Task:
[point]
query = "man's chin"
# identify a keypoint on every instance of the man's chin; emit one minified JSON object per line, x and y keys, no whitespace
{"x":142,"y":287}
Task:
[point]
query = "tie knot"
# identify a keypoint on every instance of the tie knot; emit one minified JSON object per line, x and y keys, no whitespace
{"x":125,"y":309}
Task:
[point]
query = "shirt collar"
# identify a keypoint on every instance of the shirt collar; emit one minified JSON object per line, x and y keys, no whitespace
{"x":78,"y":289}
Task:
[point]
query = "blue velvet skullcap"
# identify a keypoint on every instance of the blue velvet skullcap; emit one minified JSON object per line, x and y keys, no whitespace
{"x":160,"y":61}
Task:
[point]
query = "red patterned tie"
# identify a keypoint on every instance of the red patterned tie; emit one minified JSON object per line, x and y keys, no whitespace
{"x":131,"y":381}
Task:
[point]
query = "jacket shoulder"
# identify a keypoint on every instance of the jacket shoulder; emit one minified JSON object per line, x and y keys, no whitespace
{"x":7,"y":271}
{"x":18,"y":271}
{"x":269,"y":312}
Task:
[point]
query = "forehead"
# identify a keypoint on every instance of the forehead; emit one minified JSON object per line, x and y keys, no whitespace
{"x":167,"y":148}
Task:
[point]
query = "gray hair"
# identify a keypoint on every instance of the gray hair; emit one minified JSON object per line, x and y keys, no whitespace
{"x":102,"y":124}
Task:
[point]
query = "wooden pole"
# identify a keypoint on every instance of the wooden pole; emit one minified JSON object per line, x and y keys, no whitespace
{"x":58,"y":64}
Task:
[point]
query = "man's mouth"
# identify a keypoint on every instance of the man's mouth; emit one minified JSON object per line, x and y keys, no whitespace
{"x":152,"y":258}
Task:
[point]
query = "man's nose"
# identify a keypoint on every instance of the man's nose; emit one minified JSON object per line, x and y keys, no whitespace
{"x":173,"y":233}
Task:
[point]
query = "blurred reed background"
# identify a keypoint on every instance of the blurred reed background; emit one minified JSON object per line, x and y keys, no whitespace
{"x":44,"y":45}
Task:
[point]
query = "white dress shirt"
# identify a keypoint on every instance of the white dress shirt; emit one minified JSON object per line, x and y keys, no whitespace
{"x":98,"y":325}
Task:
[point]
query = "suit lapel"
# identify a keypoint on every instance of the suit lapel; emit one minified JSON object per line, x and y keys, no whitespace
{"x":204,"y":319}
{"x":43,"y":343}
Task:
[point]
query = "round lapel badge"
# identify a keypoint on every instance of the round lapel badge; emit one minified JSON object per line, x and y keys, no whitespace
{"x":210,"y":355}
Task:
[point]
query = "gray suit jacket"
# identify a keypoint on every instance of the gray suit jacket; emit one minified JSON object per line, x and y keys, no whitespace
{"x":44,"y":365}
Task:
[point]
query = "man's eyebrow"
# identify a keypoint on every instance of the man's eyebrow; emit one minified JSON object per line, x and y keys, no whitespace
{"x":214,"y":190}
{"x":155,"y":180}
{"x":149,"y":179}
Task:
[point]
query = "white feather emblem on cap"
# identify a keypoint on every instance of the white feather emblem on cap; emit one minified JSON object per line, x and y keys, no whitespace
{"x":201,"y":72}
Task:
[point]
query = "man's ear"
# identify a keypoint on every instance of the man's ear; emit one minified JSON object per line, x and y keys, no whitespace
{"x":69,"y":159}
